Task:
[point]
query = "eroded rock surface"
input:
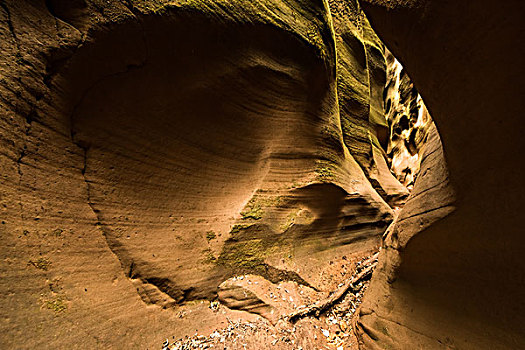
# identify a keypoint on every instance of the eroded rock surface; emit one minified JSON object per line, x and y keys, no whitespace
{"x":361,"y":80}
{"x":152,"y":151}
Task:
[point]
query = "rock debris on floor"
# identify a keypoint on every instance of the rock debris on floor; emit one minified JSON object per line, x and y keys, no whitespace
{"x":332,"y":329}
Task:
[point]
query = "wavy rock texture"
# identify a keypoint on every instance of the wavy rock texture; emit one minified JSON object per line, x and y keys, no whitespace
{"x":361,"y":78}
{"x":459,"y":282}
{"x":151,"y":150}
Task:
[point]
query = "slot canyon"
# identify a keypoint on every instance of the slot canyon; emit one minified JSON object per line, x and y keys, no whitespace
{"x":261,"y":174}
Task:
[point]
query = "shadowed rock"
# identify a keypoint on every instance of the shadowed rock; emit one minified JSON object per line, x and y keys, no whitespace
{"x":457,"y":283}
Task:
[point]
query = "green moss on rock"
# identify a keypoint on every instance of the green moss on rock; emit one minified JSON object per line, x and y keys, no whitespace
{"x":40,"y":263}
{"x":210,"y":235}
{"x":57,"y":304}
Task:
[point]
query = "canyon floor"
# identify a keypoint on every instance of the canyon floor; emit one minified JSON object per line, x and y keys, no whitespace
{"x":309,"y":319}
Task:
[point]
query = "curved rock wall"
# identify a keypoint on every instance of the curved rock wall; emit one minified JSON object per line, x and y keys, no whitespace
{"x":176,"y":147}
{"x":459,"y":282}
{"x":361,"y":78}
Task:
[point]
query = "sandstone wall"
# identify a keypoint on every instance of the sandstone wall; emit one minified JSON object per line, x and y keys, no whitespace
{"x":153,"y":149}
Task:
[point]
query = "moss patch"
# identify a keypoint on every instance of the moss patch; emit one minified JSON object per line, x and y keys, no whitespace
{"x":40,"y":263}
{"x":240,"y":227}
{"x":208,"y":258}
{"x":325,"y":174}
{"x":248,"y":254}
{"x":290,"y":220}
{"x":210,"y":235}
{"x":57,"y":304}
{"x":254,"y":209}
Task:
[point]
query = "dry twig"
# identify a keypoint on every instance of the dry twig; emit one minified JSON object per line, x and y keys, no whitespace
{"x":323,"y":305}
